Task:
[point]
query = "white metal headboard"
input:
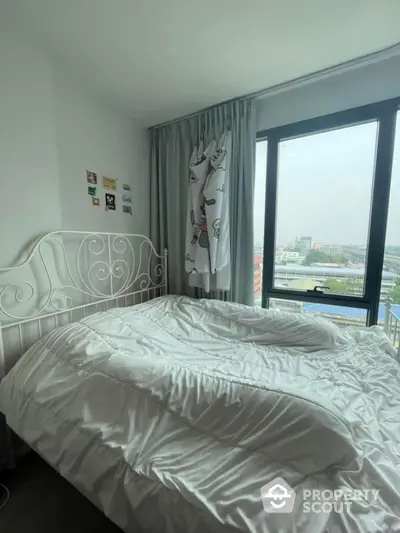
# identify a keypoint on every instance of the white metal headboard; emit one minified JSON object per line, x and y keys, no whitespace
{"x":66,"y":275}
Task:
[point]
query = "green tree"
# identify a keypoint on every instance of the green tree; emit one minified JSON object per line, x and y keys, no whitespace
{"x":345,"y":285}
{"x":336,"y":285}
{"x":340,"y":259}
{"x":315,"y":256}
{"x":392,"y":250}
{"x":395,"y":292}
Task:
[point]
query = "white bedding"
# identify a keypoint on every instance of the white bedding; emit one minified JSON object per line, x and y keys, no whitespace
{"x":175,"y":413}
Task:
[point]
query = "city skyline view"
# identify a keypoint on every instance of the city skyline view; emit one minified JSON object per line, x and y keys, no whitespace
{"x":324,"y":188}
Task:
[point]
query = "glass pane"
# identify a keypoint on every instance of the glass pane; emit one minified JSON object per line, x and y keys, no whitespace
{"x":259,"y":216}
{"x":340,"y":315}
{"x":390,"y":287}
{"x":323,"y":209}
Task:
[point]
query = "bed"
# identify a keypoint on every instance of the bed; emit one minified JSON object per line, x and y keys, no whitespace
{"x":182,"y":415}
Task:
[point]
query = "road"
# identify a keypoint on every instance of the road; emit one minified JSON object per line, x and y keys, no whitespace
{"x":390,"y":260}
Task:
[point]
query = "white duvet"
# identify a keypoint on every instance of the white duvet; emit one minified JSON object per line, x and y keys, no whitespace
{"x":175,"y":413}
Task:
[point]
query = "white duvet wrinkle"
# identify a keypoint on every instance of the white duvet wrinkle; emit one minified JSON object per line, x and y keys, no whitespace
{"x":273,"y":328}
{"x":341,"y":449}
{"x":189,"y":343}
{"x":148,"y":473}
{"x":119,"y":467}
{"x":211,"y":417}
{"x":158,"y":394}
{"x":103,"y":339}
{"x":259,"y":386}
{"x":252,"y":385}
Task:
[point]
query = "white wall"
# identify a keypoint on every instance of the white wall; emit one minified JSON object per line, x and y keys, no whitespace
{"x":91,"y":136}
{"x":29,"y":185}
{"x":363,"y":85}
{"x":51,"y":131}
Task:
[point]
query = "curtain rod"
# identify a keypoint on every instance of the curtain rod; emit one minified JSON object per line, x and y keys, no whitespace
{"x":379,"y":55}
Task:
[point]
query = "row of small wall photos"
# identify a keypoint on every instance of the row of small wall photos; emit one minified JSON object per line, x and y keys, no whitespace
{"x":109,"y":184}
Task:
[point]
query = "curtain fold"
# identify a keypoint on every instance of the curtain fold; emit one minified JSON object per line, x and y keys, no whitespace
{"x":171,"y":148}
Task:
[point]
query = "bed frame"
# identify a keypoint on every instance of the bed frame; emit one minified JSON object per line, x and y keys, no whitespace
{"x":66,"y":275}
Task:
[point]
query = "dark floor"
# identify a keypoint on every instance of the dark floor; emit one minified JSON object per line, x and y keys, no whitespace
{"x":43,"y":502}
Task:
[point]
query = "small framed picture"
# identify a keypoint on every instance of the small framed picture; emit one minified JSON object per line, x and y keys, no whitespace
{"x":127,"y":198}
{"x":127,"y":209}
{"x":95,"y":201}
{"x":110,"y":202}
{"x":109,"y":183}
{"x":91,"y":177}
{"x":92,"y":191}
{"x":126,"y":187}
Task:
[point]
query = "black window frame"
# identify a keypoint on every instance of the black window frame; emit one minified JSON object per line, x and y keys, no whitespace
{"x":385,"y":113}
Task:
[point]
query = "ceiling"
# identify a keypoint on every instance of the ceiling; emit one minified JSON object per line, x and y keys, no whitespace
{"x":160,"y":59}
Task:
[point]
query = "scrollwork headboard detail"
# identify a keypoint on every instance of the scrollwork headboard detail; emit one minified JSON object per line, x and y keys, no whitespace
{"x":67,"y":272}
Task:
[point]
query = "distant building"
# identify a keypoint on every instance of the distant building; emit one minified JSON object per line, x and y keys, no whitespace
{"x":288,"y":256}
{"x":258,"y":264}
{"x":328,"y":265}
{"x":258,"y":260}
{"x":330,"y":249}
{"x":303,"y":244}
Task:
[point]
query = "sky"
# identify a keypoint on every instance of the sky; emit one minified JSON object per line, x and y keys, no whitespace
{"x":325,"y":185}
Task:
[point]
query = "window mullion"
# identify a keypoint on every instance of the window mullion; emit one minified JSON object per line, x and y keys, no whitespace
{"x":379,"y":211}
{"x":270,"y":217}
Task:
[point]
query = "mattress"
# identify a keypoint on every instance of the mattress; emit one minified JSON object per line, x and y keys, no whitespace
{"x":180,"y":415}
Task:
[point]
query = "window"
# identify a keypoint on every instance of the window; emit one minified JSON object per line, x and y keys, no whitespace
{"x":318,"y":223}
{"x":391,"y":262}
{"x":259,"y":216}
{"x":322,"y":189}
{"x":390,"y":285}
{"x":341,"y":315}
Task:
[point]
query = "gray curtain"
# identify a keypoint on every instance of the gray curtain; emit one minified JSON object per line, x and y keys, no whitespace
{"x":171,"y":148}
